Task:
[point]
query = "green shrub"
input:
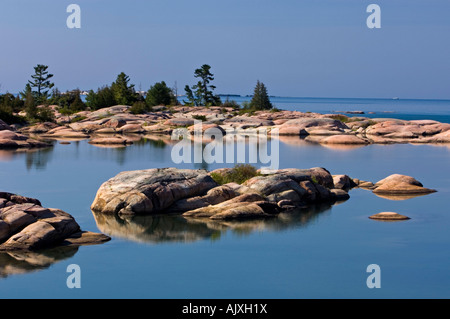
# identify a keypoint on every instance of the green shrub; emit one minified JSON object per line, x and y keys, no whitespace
{"x":230,"y":103}
{"x":247,"y":111}
{"x":160,"y":94}
{"x":238,"y":174}
{"x":139,"y":107}
{"x":78,"y":119}
{"x":199,"y":117}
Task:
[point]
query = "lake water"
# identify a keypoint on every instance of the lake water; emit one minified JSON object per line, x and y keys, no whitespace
{"x":320,"y":252}
{"x":408,"y":109}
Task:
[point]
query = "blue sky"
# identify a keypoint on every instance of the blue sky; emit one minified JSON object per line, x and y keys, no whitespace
{"x":311,"y":48}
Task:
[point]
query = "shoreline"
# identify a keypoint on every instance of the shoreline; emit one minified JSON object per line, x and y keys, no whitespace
{"x":116,"y":125}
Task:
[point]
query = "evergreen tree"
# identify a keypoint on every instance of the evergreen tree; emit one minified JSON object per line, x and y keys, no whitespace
{"x":159,"y":94}
{"x":41,"y":81}
{"x":202,"y":92}
{"x":30,"y":104}
{"x":192,"y":100}
{"x":124,"y":94}
{"x":260,"y":99}
{"x":69,"y":102}
{"x":104,"y":97}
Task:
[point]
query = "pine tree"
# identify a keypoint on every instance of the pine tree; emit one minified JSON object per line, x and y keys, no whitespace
{"x":30,"y":103}
{"x":159,"y":94}
{"x":124,"y":93}
{"x":41,"y":81}
{"x":260,"y":99}
{"x":202,"y":92}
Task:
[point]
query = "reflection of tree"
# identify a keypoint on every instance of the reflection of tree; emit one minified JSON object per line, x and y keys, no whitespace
{"x":38,"y":158}
{"x":120,"y":154}
{"x":20,"y":262}
{"x":176,"y":228}
{"x":157,"y":143}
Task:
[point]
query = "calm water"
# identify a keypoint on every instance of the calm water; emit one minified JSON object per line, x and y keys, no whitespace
{"x":321,"y":252}
{"x":408,"y":109}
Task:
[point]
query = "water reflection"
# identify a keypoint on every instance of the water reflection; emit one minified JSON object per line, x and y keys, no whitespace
{"x":34,"y":158}
{"x":399,"y":197}
{"x":39,"y":158}
{"x":21,"y":262}
{"x":176,"y":228}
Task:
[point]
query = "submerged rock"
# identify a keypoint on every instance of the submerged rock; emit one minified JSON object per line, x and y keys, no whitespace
{"x":25,"y":224}
{"x":389,"y":216}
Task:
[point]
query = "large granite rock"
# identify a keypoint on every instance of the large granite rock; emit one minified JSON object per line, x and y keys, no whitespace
{"x":194,"y":193}
{"x":150,"y":191}
{"x":25,"y":224}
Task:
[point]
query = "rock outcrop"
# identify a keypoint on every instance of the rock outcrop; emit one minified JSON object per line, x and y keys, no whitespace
{"x":194,"y":193}
{"x":397,"y":184}
{"x":26,"y":225}
{"x":330,"y":130}
{"x":13,"y":140}
{"x":150,"y":191}
{"x":387,"y":216}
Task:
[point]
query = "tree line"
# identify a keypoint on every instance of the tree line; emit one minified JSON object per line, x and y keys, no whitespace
{"x":40,"y":92}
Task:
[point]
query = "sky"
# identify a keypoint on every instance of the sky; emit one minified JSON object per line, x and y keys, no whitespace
{"x":299,"y":48}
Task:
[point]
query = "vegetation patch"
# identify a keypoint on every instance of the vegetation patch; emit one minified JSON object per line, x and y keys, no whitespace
{"x":238,"y":174}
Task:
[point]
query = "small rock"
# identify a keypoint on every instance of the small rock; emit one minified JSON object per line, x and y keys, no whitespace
{"x":400,"y":184}
{"x":389,"y":216}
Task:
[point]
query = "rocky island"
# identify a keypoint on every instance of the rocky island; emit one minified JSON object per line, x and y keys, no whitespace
{"x":117,"y":126}
{"x":196,"y":193}
{"x":26,"y":225}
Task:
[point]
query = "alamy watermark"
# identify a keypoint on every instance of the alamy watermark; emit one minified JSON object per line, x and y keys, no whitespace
{"x":74,"y":19}
{"x":374,"y":279}
{"x":374,"y":19}
{"x":74,"y":279}
{"x":214,"y":145}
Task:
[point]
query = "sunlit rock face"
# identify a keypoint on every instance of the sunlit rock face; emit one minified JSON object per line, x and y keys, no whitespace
{"x":26,"y":225}
{"x":195,"y":193}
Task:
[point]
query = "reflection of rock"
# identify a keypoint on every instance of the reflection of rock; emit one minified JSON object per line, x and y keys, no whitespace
{"x":25,"y":224}
{"x":343,"y":147}
{"x":399,"y":197}
{"x":176,"y":228}
{"x":24,"y":261}
{"x":110,"y":141}
{"x":152,"y":229}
